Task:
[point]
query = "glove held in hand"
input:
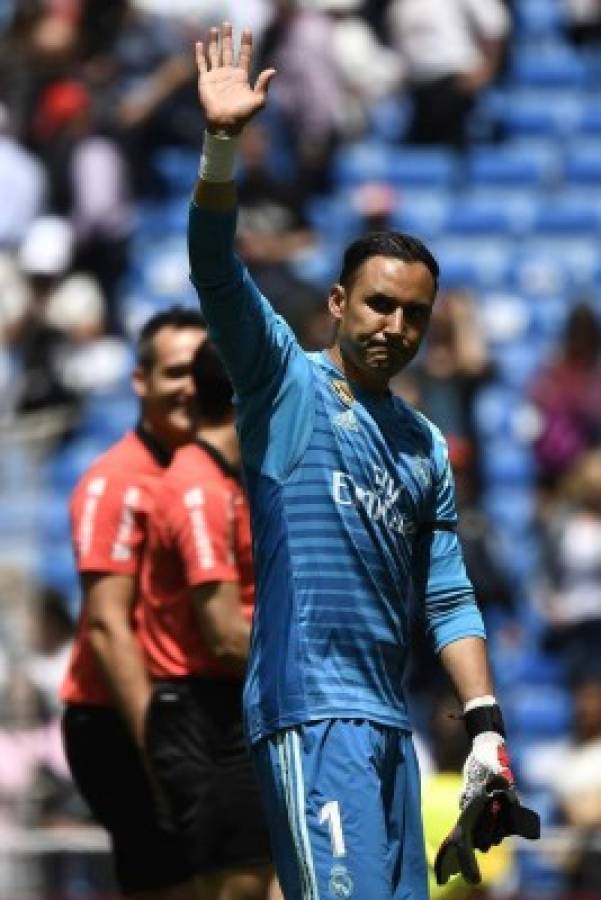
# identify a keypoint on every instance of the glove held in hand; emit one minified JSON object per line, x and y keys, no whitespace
{"x":489,"y":817}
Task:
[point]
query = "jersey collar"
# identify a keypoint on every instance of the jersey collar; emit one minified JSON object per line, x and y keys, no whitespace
{"x":219,"y":459}
{"x":159,"y":453}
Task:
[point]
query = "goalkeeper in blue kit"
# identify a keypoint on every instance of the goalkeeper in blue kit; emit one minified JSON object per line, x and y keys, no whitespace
{"x":353,"y":516}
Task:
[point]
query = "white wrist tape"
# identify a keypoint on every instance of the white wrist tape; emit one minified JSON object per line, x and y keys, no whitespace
{"x":218,"y":158}
{"x":475,"y":702}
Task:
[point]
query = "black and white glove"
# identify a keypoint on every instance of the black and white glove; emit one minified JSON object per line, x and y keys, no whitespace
{"x":490,"y":808}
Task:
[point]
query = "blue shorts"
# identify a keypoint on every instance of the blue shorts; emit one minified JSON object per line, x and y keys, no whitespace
{"x":343,"y":805}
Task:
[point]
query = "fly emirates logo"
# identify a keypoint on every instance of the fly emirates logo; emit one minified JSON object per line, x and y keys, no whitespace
{"x":380,"y":502}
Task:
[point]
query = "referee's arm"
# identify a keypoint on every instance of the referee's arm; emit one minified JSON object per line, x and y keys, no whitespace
{"x":109,"y":599}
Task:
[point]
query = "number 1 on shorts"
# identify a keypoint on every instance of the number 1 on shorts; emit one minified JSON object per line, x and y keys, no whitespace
{"x":330,"y":813}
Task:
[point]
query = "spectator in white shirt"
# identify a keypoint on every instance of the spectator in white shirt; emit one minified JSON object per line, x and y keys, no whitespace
{"x":451,"y":50}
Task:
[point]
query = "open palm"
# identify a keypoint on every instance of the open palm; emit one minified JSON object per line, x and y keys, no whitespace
{"x":224,"y":90}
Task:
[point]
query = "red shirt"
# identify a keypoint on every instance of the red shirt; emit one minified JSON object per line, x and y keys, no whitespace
{"x":108,"y":509}
{"x":199,"y":532}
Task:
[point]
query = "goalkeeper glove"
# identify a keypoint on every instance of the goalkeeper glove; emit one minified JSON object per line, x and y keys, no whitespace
{"x":490,"y":808}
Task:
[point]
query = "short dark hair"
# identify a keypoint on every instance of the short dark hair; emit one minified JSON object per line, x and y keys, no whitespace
{"x":173,"y":317}
{"x":386,"y":243}
{"x":214,"y":391}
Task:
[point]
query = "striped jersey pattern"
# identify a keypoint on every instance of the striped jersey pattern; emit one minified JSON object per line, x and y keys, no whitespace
{"x":352,"y":507}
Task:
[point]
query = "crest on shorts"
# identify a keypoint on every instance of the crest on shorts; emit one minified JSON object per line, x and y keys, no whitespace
{"x":341,"y":884}
{"x":342,"y":391}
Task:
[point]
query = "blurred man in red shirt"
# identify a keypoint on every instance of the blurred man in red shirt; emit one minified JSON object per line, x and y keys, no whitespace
{"x":106,"y":688}
{"x":197,"y":593}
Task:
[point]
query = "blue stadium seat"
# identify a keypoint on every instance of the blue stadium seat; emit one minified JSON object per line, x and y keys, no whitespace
{"x":522,"y":112}
{"x":426,"y":166}
{"x":53,"y":517}
{"x":538,"y":876}
{"x":18,"y":513}
{"x":335,"y":216}
{"x":538,"y":711}
{"x":575,"y":257}
{"x":505,"y":462}
{"x":425,"y":216}
{"x":517,"y":363}
{"x":549,"y":316}
{"x":583,"y":163}
{"x":536,"y":275}
{"x":388,"y":119}
{"x":367,"y":161}
{"x":478,"y":215}
{"x":165,"y":270}
{"x":536,"y":18}
{"x":590,"y":120}
{"x":179,"y":168}
{"x":67,"y":465}
{"x":512,"y":164}
{"x":525,"y":663}
{"x":108,"y":416}
{"x":56,"y":568}
{"x":494,"y":408}
{"x":320,"y":266}
{"x":551,"y":67}
{"x":361,"y":162}
{"x":473,"y":261}
{"x":506,"y":319}
{"x":510,"y":508}
{"x":568,"y":215}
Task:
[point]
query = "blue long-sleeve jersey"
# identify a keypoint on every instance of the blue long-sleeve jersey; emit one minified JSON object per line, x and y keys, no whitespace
{"x":353,"y":513}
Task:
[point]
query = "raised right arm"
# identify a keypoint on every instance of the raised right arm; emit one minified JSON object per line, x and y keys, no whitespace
{"x":267,"y":367}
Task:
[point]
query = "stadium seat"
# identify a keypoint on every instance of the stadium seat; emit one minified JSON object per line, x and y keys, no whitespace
{"x":108,"y":416}
{"x":472,"y":261}
{"x":178,"y":167}
{"x":368,"y":161}
{"x":67,"y":465}
{"x":494,"y":209}
{"x":522,"y":112}
{"x":517,"y":363}
{"x":583,"y":163}
{"x":568,"y":215}
{"x":494,"y":409}
{"x":424,"y":216}
{"x":510,"y":508}
{"x":388,"y":118}
{"x":53,"y":517}
{"x":538,"y":711}
{"x":427,"y":167}
{"x":335,"y":216}
{"x":574,"y":257}
{"x":590,"y":119}
{"x":18,"y":513}
{"x":537,"y":18}
{"x":536,"y":275}
{"x":505,"y":318}
{"x":319,"y":266}
{"x":56,"y":568}
{"x":538,"y":875}
{"x":551,"y":67}
{"x":512,"y":164}
{"x":505,"y":462}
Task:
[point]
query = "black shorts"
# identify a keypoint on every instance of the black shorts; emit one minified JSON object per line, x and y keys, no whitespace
{"x":108,"y":771}
{"x":196,"y":747}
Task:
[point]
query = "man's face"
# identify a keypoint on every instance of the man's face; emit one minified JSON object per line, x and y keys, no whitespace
{"x":382,"y":318}
{"x":166,"y":389}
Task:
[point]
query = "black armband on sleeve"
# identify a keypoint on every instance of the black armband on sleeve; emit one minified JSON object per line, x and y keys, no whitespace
{"x":436,"y":525}
{"x":484,"y":718}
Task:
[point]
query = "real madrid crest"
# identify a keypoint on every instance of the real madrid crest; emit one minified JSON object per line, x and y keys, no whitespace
{"x":341,"y":884}
{"x":342,"y":391}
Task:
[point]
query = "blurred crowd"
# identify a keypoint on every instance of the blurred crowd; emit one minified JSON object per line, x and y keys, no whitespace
{"x":94,"y":96}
